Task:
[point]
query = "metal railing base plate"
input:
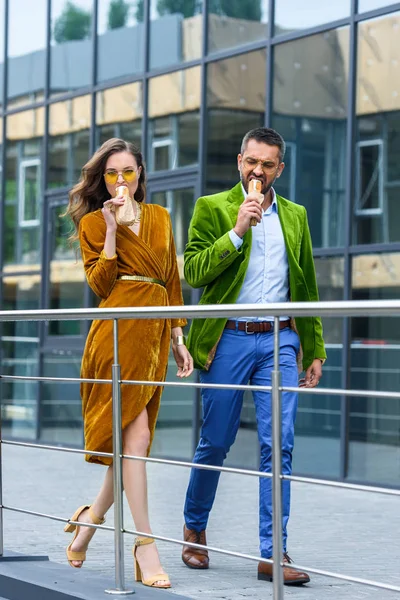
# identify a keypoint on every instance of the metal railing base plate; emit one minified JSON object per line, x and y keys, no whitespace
{"x":119,"y":592}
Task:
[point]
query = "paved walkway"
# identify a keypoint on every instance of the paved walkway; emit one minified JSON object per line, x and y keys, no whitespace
{"x":337,"y":530}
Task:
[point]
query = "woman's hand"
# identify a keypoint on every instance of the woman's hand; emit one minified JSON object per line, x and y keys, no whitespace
{"x":183,"y":360}
{"x":108,"y":211}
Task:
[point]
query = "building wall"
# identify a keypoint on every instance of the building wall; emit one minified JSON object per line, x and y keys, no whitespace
{"x":186,"y":87}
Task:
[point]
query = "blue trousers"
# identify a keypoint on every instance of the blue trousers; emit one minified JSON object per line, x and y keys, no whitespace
{"x":242,"y":358}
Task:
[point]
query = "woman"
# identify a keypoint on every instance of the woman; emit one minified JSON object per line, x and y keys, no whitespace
{"x":131,"y":265}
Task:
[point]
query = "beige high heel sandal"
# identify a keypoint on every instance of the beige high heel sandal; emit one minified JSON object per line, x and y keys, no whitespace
{"x":163,"y":577}
{"x":70,"y":528}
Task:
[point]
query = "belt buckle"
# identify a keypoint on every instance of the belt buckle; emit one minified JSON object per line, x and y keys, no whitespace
{"x":246,"y":328}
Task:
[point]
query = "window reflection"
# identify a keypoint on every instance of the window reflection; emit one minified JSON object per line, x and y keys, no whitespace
{"x":69,"y":127}
{"x":175,"y":31}
{"x":377,"y":152}
{"x":20,"y":356}
{"x":318,"y":419}
{"x":61,"y":407}
{"x":26,"y":52}
{"x":120,"y":25}
{"x":310,"y":107}
{"x":71,"y":46}
{"x":364,"y":5}
{"x":291,"y":15}
{"x":174,"y":102}
{"x":235,"y":104}
{"x":375,"y":352}
{"x":236,"y":23}
{"x":119,"y":113}
{"x":179,"y":203}
{"x":2,"y":33}
{"x":67,"y":279}
{"x":23,"y":194}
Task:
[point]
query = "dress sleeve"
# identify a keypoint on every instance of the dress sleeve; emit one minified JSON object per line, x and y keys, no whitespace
{"x":173,"y":282}
{"x":101,"y":271}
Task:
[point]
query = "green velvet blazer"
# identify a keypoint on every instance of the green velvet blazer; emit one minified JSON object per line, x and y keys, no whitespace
{"x":213,"y":263}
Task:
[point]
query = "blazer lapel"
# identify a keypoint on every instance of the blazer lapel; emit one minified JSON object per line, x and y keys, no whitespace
{"x":234,"y":200}
{"x":289,"y":225}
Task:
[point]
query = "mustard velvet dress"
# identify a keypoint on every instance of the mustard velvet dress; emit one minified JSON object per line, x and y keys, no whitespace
{"x":143,"y":344}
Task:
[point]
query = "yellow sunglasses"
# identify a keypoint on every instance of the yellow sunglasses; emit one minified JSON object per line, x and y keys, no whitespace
{"x":111,"y":176}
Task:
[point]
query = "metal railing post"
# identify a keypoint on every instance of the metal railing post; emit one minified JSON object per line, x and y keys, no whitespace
{"x":117,"y":474}
{"x":277,"y":572}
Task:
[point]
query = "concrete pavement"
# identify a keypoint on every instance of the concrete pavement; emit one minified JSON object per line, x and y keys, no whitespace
{"x":338,"y":530}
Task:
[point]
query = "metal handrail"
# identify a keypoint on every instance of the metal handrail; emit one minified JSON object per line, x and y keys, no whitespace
{"x":344,"y":308}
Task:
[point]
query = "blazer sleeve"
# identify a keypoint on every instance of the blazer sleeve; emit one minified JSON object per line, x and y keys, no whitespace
{"x":207,"y":253}
{"x":173,"y":282}
{"x":101,"y":271}
{"x":307,"y":265}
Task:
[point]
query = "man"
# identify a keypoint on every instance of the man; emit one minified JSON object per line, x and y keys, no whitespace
{"x":236,"y":262}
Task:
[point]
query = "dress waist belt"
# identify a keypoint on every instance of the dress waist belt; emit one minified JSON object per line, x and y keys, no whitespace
{"x":140,"y":278}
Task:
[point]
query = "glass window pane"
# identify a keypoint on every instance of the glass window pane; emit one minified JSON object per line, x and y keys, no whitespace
{"x":317,"y":447}
{"x":119,"y":113}
{"x":377,"y":152}
{"x":69,"y":129}
{"x":120,"y":25}
{"x":374,"y":448}
{"x":2,"y":34}
{"x":175,"y":31}
{"x":61,"y":406}
{"x":23,"y":194}
{"x":179,"y":203}
{"x":309,"y":110}
{"x":236,"y":23}
{"x":71,"y":45}
{"x":364,"y":5}
{"x":235,"y":104}
{"x":26,"y":52}
{"x":174,"y":102}
{"x":67,"y":278}
{"x":292,"y":15}
{"x":20,"y":356}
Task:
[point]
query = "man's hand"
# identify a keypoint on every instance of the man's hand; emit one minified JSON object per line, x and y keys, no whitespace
{"x":250,"y":208}
{"x":313,"y":375}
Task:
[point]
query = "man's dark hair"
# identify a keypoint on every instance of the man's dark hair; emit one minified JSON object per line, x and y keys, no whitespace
{"x":265,"y":135}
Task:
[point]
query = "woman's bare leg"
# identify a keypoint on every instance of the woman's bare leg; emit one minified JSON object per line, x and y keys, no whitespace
{"x":100,"y":506}
{"x":136,"y":438}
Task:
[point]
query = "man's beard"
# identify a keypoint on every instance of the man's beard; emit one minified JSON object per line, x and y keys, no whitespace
{"x":264,"y":190}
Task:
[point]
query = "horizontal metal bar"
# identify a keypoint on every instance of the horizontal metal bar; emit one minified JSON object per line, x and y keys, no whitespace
{"x":342,"y":392}
{"x":341,"y":484}
{"x":54,"y":379}
{"x":367,"y":582}
{"x":54,"y":518}
{"x":349,"y":308}
{"x":251,"y":557}
{"x":55,"y":448}
{"x":223,"y":386}
{"x":236,"y":471}
{"x":350,"y":578}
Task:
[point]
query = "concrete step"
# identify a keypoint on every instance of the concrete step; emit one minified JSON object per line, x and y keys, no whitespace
{"x":26,"y":578}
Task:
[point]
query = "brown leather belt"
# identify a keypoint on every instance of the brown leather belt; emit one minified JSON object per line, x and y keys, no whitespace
{"x":255,"y":326}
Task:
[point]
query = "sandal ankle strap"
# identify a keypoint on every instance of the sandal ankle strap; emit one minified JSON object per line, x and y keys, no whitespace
{"x":96,"y":520}
{"x":143,"y":541}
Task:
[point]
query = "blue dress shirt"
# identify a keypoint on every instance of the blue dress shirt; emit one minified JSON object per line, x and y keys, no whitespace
{"x":267,"y":276}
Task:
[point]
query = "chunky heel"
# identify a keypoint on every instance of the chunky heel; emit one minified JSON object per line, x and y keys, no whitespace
{"x":151,"y":582}
{"x":71,"y":527}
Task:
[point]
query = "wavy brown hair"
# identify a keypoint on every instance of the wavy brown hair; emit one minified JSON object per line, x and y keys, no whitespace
{"x":90,"y":193}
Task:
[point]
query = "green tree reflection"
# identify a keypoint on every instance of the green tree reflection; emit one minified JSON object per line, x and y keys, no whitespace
{"x":74,"y":23}
{"x":118,"y":13}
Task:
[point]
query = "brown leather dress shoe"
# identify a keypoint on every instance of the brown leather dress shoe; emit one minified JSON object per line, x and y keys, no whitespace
{"x":290,"y":576}
{"x":195,"y":558}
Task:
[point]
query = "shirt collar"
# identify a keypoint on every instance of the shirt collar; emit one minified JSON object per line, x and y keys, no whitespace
{"x":273,"y":206}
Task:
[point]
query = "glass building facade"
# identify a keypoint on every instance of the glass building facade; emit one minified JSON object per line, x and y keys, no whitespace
{"x":185,"y":79}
